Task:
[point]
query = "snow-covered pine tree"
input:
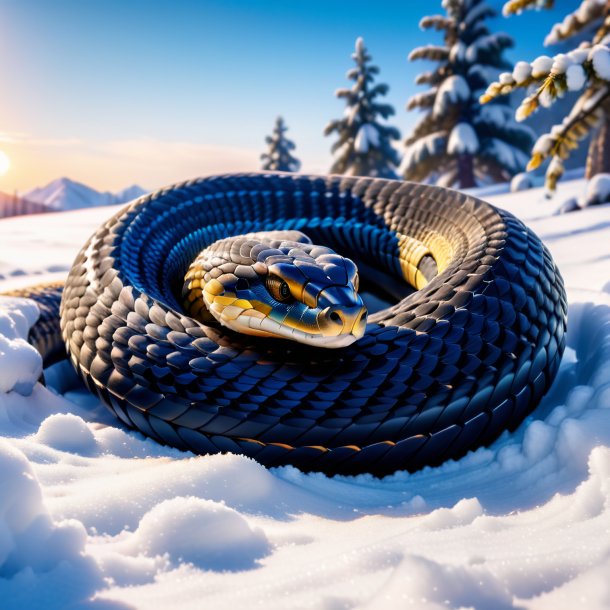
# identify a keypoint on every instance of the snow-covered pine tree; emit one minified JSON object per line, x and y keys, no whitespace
{"x":279,"y":158}
{"x":364,"y":145}
{"x":457,"y":142}
{"x":585,"y":68}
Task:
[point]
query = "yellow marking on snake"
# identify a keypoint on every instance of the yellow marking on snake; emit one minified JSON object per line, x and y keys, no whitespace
{"x":220,"y":300}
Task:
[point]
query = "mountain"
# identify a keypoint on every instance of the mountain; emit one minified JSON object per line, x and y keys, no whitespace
{"x":66,"y":194}
{"x":130,"y":193}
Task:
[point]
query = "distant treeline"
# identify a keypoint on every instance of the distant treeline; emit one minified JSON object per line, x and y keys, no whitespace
{"x":12,"y":205}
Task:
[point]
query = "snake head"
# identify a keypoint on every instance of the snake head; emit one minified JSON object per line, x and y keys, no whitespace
{"x":278,"y":284}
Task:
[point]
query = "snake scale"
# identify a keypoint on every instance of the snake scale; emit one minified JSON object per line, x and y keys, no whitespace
{"x":470,"y":340}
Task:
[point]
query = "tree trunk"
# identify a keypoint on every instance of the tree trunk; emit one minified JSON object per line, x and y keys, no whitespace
{"x":465,"y":170}
{"x":598,"y":158}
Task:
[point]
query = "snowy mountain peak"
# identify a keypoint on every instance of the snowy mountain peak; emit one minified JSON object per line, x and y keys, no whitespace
{"x":66,"y":194}
{"x":131,"y":192}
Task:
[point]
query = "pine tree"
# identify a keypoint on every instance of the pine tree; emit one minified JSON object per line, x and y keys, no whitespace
{"x":585,"y":68}
{"x":279,"y":158}
{"x":364,"y":145}
{"x":457,"y":142}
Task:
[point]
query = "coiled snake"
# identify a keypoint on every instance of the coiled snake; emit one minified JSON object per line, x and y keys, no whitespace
{"x":471,"y":341}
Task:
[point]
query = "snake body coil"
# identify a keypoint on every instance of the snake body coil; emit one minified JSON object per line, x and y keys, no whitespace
{"x":466,"y":354}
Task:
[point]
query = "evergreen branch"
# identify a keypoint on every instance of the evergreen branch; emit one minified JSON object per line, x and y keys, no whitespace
{"x":422,"y":100}
{"x":514,"y":7}
{"x":430,"y":78}
{"x":438,"y":22}
{"x":603,"y":30}
{"x":566,"y":137}
{"x":588,"y":12}
{"x":430,"y":52}
{"x":554,"y":76}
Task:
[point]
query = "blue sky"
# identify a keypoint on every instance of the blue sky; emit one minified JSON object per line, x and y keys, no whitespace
{"x":120,"y":91}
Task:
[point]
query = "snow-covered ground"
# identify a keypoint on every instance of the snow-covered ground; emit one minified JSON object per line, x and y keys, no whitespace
{"x":92,"y":515}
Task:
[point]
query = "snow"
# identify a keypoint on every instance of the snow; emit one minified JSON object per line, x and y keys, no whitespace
{"x":477,"y":50}
{"x":457,"y":52}
{"x":561,"y":62}
{"x":588,"y":11}
{"x":207,"y":534}
{"x":597,"y":191}
{"x":600,"y":56}
{"x":427,"y":146}
{"x":66,"y":432}
{"x":452,"y":89}
{"x":463,"y":139}
{"x":541,"y":66}
{"x":508,"y":156}
{"x":521,"y":72}
{"x":543,"y":144}
{"x":575,"y":77}
{"x":521,"y":182}
{"x":367,"y":137}
{"x":20,"y":363}
{"x":94,"y":515}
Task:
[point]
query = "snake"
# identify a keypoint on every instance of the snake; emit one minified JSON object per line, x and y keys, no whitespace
{"x":338,"y":324}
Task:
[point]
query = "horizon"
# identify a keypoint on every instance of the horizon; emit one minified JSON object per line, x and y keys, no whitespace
{"x":112,"y":95}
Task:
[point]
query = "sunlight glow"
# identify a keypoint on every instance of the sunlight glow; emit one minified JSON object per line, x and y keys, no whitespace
{"x":5,"y":163}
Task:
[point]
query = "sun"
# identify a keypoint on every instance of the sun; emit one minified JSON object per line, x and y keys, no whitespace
{"x":5,"y":163}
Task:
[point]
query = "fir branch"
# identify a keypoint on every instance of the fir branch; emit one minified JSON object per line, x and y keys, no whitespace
{"x":430,"y":52}
{"x":515,"y":7}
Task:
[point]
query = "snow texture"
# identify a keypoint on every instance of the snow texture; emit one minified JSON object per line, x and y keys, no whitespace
{"x":95,"y":516}
{"x":588,"y":11}
{"x":597,"y":191}
{"x":522,"y":71}
{"x":521,"y":182}
{"x":453,"y":89}
{"x":367,"y":137}
{"x":463,"y":139}
{"x":575,"y":77}
{"x":600,"y":56}
{"x":542,"y":65}
{"x":20,"y":363}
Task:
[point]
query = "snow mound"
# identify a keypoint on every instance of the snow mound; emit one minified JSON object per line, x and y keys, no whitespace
{"x":421,"y":583}
{"x":597,"y":191}
{"x":28,"y":537}
{"x":521,"y":182}
{"x":66,"y":432}
{"x":208,"y":534}
{"x":20,"y":363}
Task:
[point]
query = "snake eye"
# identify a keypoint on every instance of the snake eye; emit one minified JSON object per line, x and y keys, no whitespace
{"x":356,"y":282}
{"x":278,"y":289}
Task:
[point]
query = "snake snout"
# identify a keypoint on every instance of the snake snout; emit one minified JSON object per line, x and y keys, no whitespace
{"x":336,"y":320}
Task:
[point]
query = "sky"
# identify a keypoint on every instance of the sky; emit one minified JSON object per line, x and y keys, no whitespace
{"x":121,"y":92}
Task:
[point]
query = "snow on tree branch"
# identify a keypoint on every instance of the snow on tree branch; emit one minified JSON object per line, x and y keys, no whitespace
{"x":588,"y":11}
{"x":516,"y":7}
{"x":585,"y":69}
